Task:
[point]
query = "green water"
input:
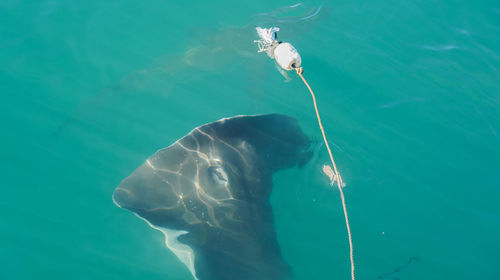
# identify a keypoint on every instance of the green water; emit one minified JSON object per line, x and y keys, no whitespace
{"x":408,"y":92}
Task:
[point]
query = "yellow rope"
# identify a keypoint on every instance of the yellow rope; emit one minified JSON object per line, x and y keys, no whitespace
{"x":338,"y":178}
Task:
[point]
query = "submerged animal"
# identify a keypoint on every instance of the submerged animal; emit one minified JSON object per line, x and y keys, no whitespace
{"x":209,"y":194}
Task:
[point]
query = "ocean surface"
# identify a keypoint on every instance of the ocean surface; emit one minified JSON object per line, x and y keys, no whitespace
{"x":409,"y":93}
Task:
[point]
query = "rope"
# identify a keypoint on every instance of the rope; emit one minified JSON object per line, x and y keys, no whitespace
{"x":337,"y":174}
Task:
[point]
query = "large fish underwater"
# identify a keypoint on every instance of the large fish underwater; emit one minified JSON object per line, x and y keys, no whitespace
{"x":209,"y":194}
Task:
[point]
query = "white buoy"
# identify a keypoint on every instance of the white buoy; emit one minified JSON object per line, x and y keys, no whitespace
{"x":285,"y":54}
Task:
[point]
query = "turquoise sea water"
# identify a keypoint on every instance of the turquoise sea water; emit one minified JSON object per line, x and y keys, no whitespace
{"x":409,"y":93}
